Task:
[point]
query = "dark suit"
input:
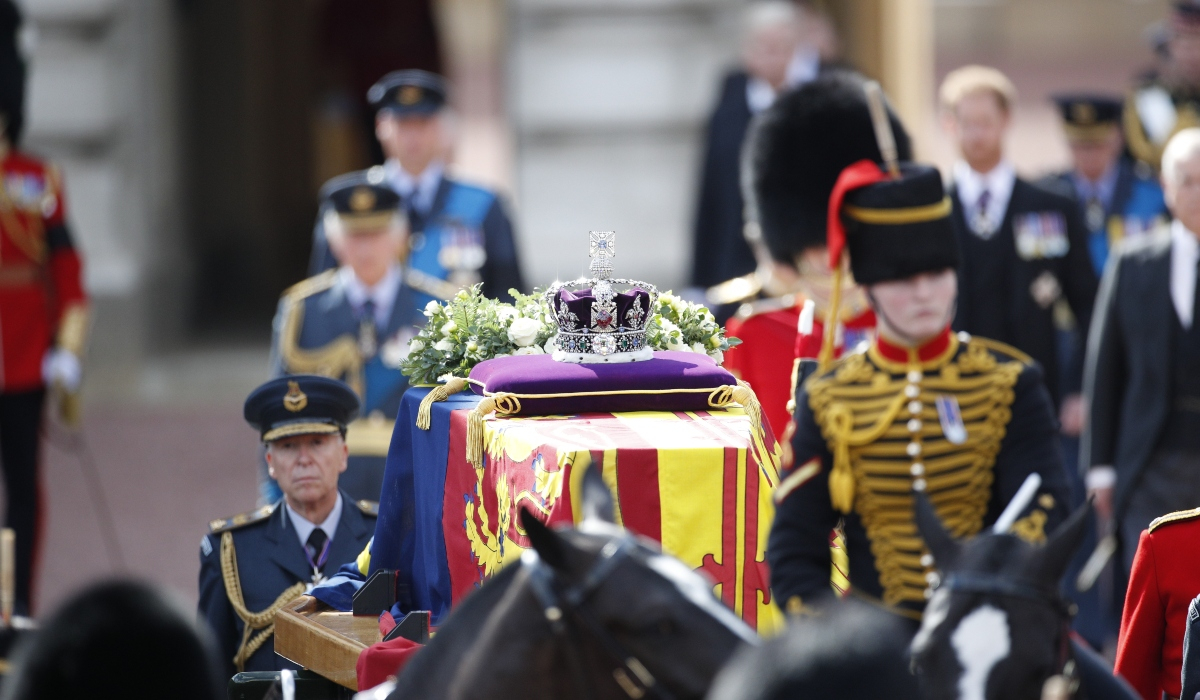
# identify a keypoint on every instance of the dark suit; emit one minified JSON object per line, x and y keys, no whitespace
{"x":313,"y":319}
{"x":719,"y":250}
{"x":996,"y":282}
{"x":1129,"y":367}
{"x":270,"y":559}
{"x":460,"y":206}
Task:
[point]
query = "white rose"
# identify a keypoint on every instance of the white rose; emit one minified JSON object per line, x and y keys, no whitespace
{"x":717,"y":356}
{"x":698,"y":348}
{"x":524,"y":331}
{"x":417,"y":345}
{"x":675,"y":342}
{"x":678,"y":305}
{"x":431,"y":308}
{"x":530,"y":350}
{"x":444,"y":345}
{"x":449,"y":327}
{"x":505,"y":313}
{"x":668,"y":328}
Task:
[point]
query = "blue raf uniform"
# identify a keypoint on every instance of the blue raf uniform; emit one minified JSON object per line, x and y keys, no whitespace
{"x":1127,"y":201}
{"x":320,"y":328}
{"x":461,"y":234}
{"x":254,"y":563}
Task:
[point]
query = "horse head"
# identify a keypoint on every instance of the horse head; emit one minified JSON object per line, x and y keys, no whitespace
{"x":589,"y":612}
{"x":997,"y":625}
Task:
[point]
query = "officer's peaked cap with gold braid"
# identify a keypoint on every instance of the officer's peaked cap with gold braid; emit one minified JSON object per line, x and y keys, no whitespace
{"x":897,"y":228}
{"x":300,"y":404}
{"x":409,"y":93}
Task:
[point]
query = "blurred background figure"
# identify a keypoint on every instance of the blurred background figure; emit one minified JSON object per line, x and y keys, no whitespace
{"x":461,"y":234}
{"x":1024,"y":248}
{"x":354,"y":323}
{"x":43,"y":311}
{"x":1167,"y":99}
{"x":119,"y":639}
{"x":780,"y":50}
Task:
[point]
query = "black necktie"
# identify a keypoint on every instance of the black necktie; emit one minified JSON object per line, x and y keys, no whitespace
{"x":316,"y":549}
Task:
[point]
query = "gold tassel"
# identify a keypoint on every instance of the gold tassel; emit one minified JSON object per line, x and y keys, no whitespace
{"x":841,"y":479}
{"x":825,"y":358}
{"x":475,"y":446}
{"x":441,"y":392}
{"x":745,"y":396}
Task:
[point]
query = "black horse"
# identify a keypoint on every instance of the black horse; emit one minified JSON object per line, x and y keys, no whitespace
{"x":997,"y":625}
{"x":592,"y":612}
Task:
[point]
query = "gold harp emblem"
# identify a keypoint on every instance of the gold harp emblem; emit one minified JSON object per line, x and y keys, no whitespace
{"x":409,"y":95}
{"x":295,"y":400}
{"x":362,"y":199}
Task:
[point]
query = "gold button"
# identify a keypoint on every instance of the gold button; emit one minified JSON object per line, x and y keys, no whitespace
{"x":912,"y":391}
{"x":915,"y":407}
{"x":918,"y":485}
{"x":914,"y":425}
{"x":917,"y":469}
{"x":914,"y":376}
{"x":913,"y":449}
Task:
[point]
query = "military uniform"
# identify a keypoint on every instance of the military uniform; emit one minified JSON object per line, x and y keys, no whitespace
{"x":1127,"y":201}
{"x":963,"y":419}
{"x":43,"y":307}
{"x":318,"y":329}
{"x":1164,"y":580}
{"x":252,"y":564}
{"x":462,"y":235}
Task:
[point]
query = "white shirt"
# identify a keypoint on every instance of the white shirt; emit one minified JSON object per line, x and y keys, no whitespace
{"x":803,"y":67}
{"x":383,"y":294}
{"x":305,"y":528}
{"x":1185,"y":252}
{"x":971,"y":185}
{"x":418,"y":192}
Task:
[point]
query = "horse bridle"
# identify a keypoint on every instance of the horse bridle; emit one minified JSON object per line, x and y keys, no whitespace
{"x":561,"y":606}
{"x":1064,"y":609}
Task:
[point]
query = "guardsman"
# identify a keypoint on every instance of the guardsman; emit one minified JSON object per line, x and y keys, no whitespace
{"x":1164,"y":580}
{"x":920,"y":408}
{"x":1117,"y":197}
{"x":252,"y":564}
{"x":461,"y":234}
{"x":354,"y":323}
{"x":1167,"y":100}
{"x":43,"y":309}
{"x":796,"y":152}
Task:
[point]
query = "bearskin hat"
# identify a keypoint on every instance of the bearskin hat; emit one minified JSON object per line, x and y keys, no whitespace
{"x":12,"y":72}
{"x":795,"y":152}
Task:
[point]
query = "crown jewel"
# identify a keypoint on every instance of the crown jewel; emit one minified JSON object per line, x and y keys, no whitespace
{"x":601,"y":319}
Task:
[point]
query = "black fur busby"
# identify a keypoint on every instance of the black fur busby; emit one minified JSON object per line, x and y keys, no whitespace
{"x":797,"y":149}
{"x":12,"y":72}
{"x":897,"y":228}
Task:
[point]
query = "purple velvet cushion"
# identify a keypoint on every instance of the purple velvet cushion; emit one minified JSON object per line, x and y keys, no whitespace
{"x":533,"y":375}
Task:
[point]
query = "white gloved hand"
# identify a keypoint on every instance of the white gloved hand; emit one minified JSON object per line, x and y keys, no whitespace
{"x":62,"y":367}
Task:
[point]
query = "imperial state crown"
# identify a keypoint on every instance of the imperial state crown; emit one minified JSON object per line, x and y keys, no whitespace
{"x":601,"y":318}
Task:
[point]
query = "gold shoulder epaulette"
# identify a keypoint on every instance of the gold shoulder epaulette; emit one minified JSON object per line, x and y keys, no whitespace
{"x":1175,"y":517}
{"x":370,"y":508}
{"x":223,"y":524}
{"x":311,"y":286}
{"x":1005,"y":350}
{"x":734,"y":290}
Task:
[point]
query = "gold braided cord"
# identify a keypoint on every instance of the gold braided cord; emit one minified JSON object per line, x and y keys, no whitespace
{"x":263,"y":622}
{"x":441,"y":392}
{"x":337,"y":360}
{"x":825,"y":356}
{"x":901,"y":216}
{"x":860,"y":409}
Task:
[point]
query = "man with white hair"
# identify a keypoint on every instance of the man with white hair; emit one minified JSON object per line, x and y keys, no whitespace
{"x":1142,"y":379}
{"x":780,"y":50}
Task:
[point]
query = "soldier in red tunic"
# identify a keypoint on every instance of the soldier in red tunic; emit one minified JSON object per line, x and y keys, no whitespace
{"x":43,"y":308}
{"x":1164,"y":580}
{"x":796,"y":151}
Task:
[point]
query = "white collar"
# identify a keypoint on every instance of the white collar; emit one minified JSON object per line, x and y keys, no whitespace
{"x":420,"y":189}
{"x":382,"y":295}
{"x":802,"y":68}
{"x":998,"y":182}
{"x":1185,"y":251}
{"x":304,"y":528}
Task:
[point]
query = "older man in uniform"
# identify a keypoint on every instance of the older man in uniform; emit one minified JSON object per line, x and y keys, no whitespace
{"x":354,"y":323}
{"x":252,"y":564}
{"x":964,"y":419}
{"x":1168,"y":100}
{"x":461,"y":234}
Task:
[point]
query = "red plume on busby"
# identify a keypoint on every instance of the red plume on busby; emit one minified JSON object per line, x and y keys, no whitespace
{"x":12,"y":72}
{"x":795,"y":152}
